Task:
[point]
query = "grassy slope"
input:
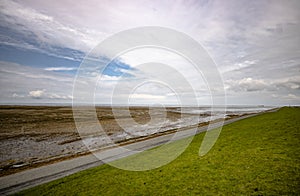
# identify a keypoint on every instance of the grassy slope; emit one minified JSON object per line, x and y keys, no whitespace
{"x":259,"y":155}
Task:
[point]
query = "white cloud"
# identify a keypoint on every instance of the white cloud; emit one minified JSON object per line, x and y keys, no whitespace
{"x":292,"y":96}
{"x":37,"y":94}
{"x":44,"y":29}
{"x":246,"y":84}
{"x":250,"y":84}
{"x":146,"y":96}
{"x":56,"y":96}
{"x":237,"y":66}
{"x":60,"y":68}
{"x":109,"y":78}
{"x":16,"y":95}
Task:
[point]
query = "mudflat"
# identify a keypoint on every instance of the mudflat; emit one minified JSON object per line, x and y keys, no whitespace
{"x":34,"y":135}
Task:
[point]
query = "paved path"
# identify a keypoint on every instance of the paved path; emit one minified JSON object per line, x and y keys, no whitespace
{"x":32,"y":177}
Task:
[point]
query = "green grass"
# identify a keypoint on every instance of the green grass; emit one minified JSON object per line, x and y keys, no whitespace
{"x":255,"y":156}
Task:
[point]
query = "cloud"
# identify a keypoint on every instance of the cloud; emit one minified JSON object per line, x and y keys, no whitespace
{"x":238,"y":66}
{"x":290,"y":83}
{"x":29,"y":29}
{"x":280,"y":91}
{"x":146,"y":96}
{"x":250,"y":84}
{"x":15,"y":95}
{"x":42,"y":94}
{"x":247,"y":84}
{"x":46,"y":29}
{"x":27,"y":84}
{"x":60,"y":68}
{"x":56,"y":96}
{"x":37,"y":94}
{"x":292,"y":96}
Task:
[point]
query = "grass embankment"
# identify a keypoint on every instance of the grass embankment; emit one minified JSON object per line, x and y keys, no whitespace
{"x":259,"y":155}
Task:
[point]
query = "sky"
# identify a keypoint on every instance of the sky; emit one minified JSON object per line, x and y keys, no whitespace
{"x":255,"y":46}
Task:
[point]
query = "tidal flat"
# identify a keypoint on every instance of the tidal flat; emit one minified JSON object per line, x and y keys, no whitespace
{"x":31,"y":136}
